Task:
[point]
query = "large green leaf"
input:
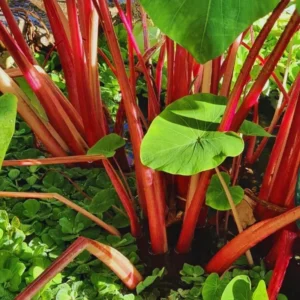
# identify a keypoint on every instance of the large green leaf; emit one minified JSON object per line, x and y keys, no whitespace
{"x":216,"y":197}
{"x":108,"y":145}
{"x":183,"y":138}
{"x":238,"y":288}
{"x":206,"y":28}
{"x":8,"y":113}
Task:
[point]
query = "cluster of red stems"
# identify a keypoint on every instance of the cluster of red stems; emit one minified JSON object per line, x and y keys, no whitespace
{"x":77,"y":123}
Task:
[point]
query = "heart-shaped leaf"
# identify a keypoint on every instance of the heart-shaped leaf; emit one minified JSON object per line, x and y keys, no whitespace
{"x":214,"y":287}
{"x":8,"y":113}
{"x":107,"y":146}
{"x":102,"y":201}
{"x":206,"y":28}
{"x":252,"y":129}
{"x":184,"y":139}
{"x":216,"y":197}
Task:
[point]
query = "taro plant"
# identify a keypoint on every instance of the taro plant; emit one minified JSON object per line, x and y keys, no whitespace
{"x":202,"y":115}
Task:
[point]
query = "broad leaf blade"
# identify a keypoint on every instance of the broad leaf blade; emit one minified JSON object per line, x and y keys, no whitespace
{"x":260,"y":292}
{"x":216,"y":197}
{"x":206,"y":28}
{"x":8,"y":113}
{"x":214,"y":287}
{"x":108,"y":145}
{"x":183,"y":138}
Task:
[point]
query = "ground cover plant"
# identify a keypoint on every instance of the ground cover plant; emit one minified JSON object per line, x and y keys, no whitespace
{"x":145,"y":124}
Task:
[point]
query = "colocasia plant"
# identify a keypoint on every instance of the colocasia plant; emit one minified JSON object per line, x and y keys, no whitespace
{"x":203,"y":76}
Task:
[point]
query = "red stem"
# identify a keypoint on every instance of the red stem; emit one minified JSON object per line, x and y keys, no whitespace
{"x":88,"y":107}
{"x":266,"y":72}
{"x":64,"y":50}
{"x":113,"y":259}
{"x":47,"y":92}
{"x":159,"y":69}
{"x":277,"y":152}
{"x":245,"y":71}
{"x":249,"y":238}
{"x":170,"y":69}
{"x":216,"y":65}
{"x":285,"y":254}
{"x":153,"y":103}
{"x":147,"y":179}
{"x":14,"y":28}
{"x":124,"y":197}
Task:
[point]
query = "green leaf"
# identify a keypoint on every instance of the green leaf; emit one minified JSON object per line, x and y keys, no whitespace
{"x":8,"y":113}
{"x":149,"y":280}
{"x":213,"y":287}
{"x":238,"y":288}
{"x":216,"y":197}
{"x":53,"y":179}
{"x":298,"y":6}
{"x":252,"y":129}
{"x":107,"y":146}
{"x":13,"y":174}
{"x":184,"y":139}
{"x":4,"y":221}
{"x":6,"y":275}
{"x":211,"y":26}
{"x":102,"y":201}
{"x":31,"y":206}
{"x":260,"y":292}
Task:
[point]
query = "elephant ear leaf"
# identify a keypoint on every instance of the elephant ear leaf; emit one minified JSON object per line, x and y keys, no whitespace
{"x":211,"y":25}
{"x":8,"y":114}
{"x":184,"y":139}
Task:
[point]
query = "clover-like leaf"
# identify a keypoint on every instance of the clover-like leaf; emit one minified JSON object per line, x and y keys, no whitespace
{"x":214,"y":287}
{"x":216,"y":197}
{"x":184,"y":139}
{"x":206,"y":28}
{"x":107,"y":146}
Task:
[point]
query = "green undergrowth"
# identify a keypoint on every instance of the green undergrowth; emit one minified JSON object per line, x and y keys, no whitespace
{"x":35,"y":232}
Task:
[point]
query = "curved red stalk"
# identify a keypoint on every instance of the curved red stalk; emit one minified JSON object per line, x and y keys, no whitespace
{"x":249,"y":238}
{"x":225,"y":88}
{"x":112,"y":258}
{"x":153,"y":103}
{"x":112,"y":230}
{"x":14,"y":28}
{"x":107,"y":61}
{"x":284,"y":255}
{"x":266,"y":72}
{"x":245,"y":71}
{"x":47,"y":92}
{"x":147,"y":179}
{"x":159,"y":69}
{"x":64,"y":50}
{"x":170,"y":69}
{"x":280,"y":143}
{"x":53,"y":160}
